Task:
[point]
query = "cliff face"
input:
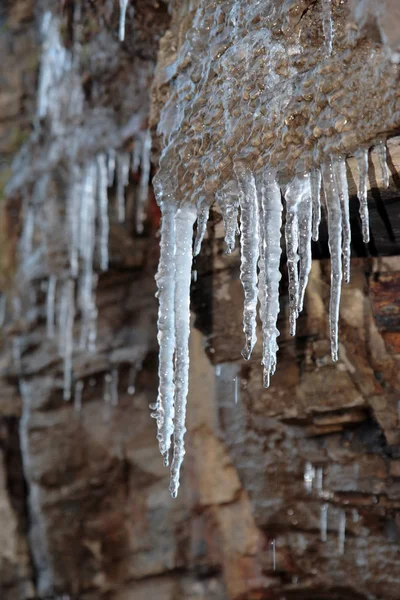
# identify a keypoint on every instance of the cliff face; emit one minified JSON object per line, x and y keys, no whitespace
{"x":291,"y":492}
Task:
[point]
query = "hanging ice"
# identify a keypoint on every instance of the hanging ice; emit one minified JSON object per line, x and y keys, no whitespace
{"x":228,"y":201}
{"x":202,"y":218}
{"x":305,"y":229}
{"x":292,"y":198}
{"x":335,"y":248}
{"x":315,"y":181}
{"x":339,"y":169}
{"x":249,"y":240}
{"x":324,"y":522}
{"x":86,"y":248}
{"x":103,"y":211}
{"x":270,"y":210}
{"x":50,"y":305}
{"x":184,"y":221}
{"x":123,"y":5}
{"x":165,"y":279}
{"x":362,"y":162}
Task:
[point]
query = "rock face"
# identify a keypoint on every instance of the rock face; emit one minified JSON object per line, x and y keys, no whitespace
{"x":291,"y":492}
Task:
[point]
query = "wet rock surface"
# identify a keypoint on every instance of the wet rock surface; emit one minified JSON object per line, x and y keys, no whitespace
{"x":291,"y":492}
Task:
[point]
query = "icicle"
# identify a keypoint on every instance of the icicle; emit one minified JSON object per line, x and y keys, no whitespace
{"x":236,"y":389}
{"x":114,"y":387}
{"x":144,"y":181}
{"x":110,"y":167}
{"x":202,"y":218}
{"x":228,"y":202}
{"x":273,"y":553}
{"x":309,"y":475}
{"x":123,"y":5}
{"x":103,"y":211}
{"x":78,"y":395}
{"x":50,"y":305}
{"x":362,"y":162}
{"x":184,"y":221}
{"x":382,"y":155}
{"x":165,"y":279}
{"x":123,"y":160}
{"x":315,"y":180}
{"x":305,"y":228}
{"x":342,"y":531}
{"x":69,"y":293}
{"x":292,"y":197}
{"x":86,"y":247}
{"x":249,"y":240}
{"x":339,"y":170}
{"x":324,"y":522}
{"x":27,"y":234}
{"x":335,"y":245}
{"x":327,"y":25}
{"x":74,"y":221}
{"x":270,"y":209}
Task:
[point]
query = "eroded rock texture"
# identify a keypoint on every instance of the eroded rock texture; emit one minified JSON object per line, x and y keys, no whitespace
{"x":291,"y":492}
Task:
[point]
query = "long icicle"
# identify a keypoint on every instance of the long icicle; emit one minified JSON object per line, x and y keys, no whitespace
{"x":292,"y":242}
{"x":270,"y":207}
{"x":184,"y":221}
{"x":382,"y":155}
{"x":165,"y":278}
{"x":228,"y":202}
{"x":305,"y":229}
{"x":315,"y":180}
{"x":102,"y":211}
{"x":335,"y":248}
{"x":327,"y":25}
{"x":249,"y":241}
{"x":202,"y":218}
{"x":362,"y":163}
{"x":123,"y":5}
{"x":339,"y":169}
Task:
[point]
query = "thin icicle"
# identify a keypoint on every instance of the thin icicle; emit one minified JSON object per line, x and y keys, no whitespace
{"x":362,"y":163}
{"x":315,"y":180}
{"x":249,"y":240}
{"x":78,"y":395}
{"x":123,"y":5}
{"x":324,"y":522}
{"x":335,"y":248}
{"x":202,"y":218}
{"x":184,"y":221}
{"x":292,"y":198}
{"x":26,"y":243}
{"x":69,"y":292}
{"x":165,"y":279}
{"x":382,"y":155}
{"x":50,"y":306}
{"x":86,"y":246}
{"x":327,"y":25}
{"x":270,"y":209}
{"x":228,"y":202}
{"x":144,"y":181}
{"x":309,"y":476}
{"x":339,"y":169}
{"x":102,"y":211}
{"x":74,"y":220}
{"x":305,"y":229}
{"x":123,"y":160}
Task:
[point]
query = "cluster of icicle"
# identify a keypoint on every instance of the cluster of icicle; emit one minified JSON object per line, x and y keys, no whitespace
{"x":85,"y":224}
{"x":256,"y":198}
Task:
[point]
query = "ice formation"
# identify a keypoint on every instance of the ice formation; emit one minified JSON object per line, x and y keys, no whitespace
{"x":229,"y":140}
